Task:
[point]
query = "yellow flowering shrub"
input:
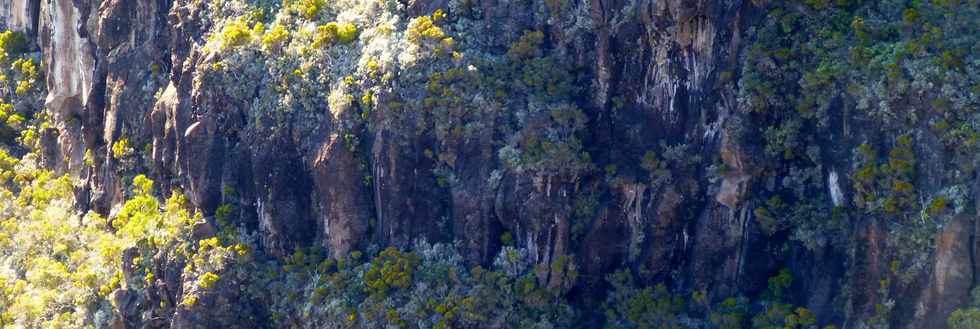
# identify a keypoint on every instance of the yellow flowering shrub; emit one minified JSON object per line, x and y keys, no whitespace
{"x":236,"y":33}
{"x":334,"y":33}
{"x":275,"y":38}
{"x":65,"y":263}
{"x":425,"y":32}
{"x":120,"y":148}
{"x":309,"y":9}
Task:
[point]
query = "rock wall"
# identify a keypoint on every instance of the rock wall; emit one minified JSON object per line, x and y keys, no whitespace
{"x":653,"y":72}
{"x":21,"y":15}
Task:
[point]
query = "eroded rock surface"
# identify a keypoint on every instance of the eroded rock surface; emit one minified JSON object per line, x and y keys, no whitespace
{"x":654,"y":75}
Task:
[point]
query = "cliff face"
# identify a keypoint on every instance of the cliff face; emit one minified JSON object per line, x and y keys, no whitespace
{"x":664,"y":165}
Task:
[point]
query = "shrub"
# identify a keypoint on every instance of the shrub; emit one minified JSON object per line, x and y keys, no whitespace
{"x":527,"y":47}
{"x":391,"y":269}
{"x":507,"y":239}
{"x":964,"y":319}
{"x":938,"y":205}
{"x":346,"y":32}
{"x":967,"y":318}
{"x":423,"y":28}
{"x":779,"y":284}
{"x":121,"y":148}
{"x":207,"y":280}
{"x":11,"y":43}
{"x":69,"y":261}
{"x":728,"y":314}
{"x":309,"y":9}
{"x":334,"y":33}
{"x":631,"y":307}
{"x":28,"y":74}
{"x":784,"y":316}
{"x":235,"y":33}
{"x":275,"y":38}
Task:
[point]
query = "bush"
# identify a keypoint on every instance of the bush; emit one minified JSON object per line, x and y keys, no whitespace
{"x":207,"y":280}
{"x":425,"y":32}
{"x":631,"y":307}
{"x":779,"y":284}
{"x":28,"y":74}
{"x":334,"y":33}
{"x":938,"y":205}
{"x":12,"y":43}
{"x":964,"y":319}
{"x":309,"y":9}
{"x":527,"y":47}
{"x":236,"y":33}
{"x":121,"y":148}
{"x":65,"y":264}
{"x":275,"y":38}
{"x":391,"y":269}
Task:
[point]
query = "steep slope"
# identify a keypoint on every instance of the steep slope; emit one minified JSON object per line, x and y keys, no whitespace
{"x":705,"y":145}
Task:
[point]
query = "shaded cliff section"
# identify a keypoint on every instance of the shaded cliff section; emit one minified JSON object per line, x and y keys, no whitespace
{"x":653,"y":77}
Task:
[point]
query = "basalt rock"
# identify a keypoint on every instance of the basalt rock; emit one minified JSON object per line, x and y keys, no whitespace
{"x":651,"y":74}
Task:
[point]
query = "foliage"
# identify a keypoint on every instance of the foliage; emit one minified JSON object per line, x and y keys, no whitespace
{"x":309,"y":9}
{"x":886,"y":186}
{"x":631,"y":307}
{"x":391,"y":269}
{"x":275,"y":38}
{"x":427,"y":288}
{"x":968,"y":317}
{"x":67,"y":264}
{"x":964,"y":319}
{"x":779,"y":284}
{"x":237,"y":33}
{"x":553,"y":128}
{"x":26,"y":74}
{"x":527,"y":47}
{"x":425,"y":32}
{"x":334,"y":33}
{"x":783,"y":316}
{"x":11,"y":43}
{"x":121,"y":148}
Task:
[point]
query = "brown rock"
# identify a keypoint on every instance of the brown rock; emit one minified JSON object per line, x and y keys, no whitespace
{"x":343,"y":197}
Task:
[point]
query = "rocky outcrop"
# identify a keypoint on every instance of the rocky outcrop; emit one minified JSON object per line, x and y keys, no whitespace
{"x":948,"y":286}
{"x":407,"y":200}
{"x":21,"y":15}
{"x":344,"y":198}
{"x":69,"y":74}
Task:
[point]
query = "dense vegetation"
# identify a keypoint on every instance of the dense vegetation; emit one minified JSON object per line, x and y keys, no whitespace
{"x":63,"y":269}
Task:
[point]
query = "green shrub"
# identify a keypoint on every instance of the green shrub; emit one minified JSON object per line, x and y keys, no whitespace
{"x":121,"y":148}
{"x":629,"y":306}
{"x":779,"y":284}
{"x":334,"y":33}
{"x":938,"y":205}
{"x":425,"y":32}
{"x":784,"y":316}
{"x":275,"y":38}
{"x":729,"y":314}
{"x":309,"y":9}
{"x":964,"y":319}
{"x":968,"y":317}
{"x":527,"y":47}
{"x":423,"y":28}
{"x":391,"y":269}
{"x":28,"y":74}
{"x":235,"y":33}
{"x":12,"y":43}
{"x":507,"y":239}
{"x":207,"y":280}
